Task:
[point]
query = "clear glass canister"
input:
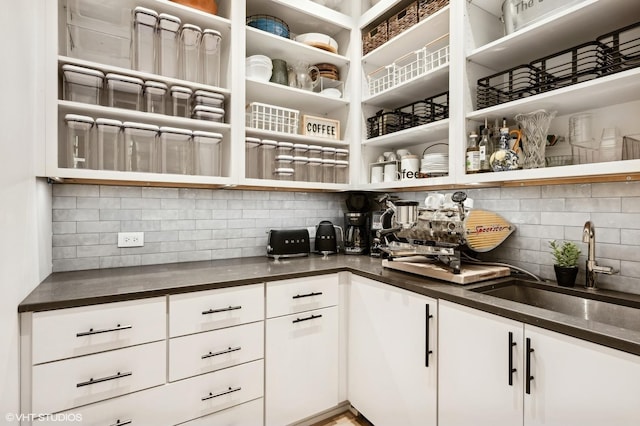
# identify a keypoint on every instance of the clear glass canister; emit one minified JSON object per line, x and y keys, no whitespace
{"x":176,"y":154}
{"x":300,"y":150}
{"x":79,"y":151}
{"x":283,"y":173}
{"x":206,"y":148}
{"x":328,"y":153}
{"x":315,"y":170}
{"x":180,"y":101}
{"x":82,"y":84}
{"x":203,"y":112}
{"x":145,"y":22}
{"x":315,"y":151}
{"x":188,"y":49}
{"x":124,"y":91}
{"x":110,"y":144}
{"x":168,"y":31}
{"x":342,"y":154}
{"x":207,"y":98}
{"x":251,"y":158}
{"x":140,"y":141}
{"x":342,"y":171}
{"x":301,"y":168}
{"x":155,"y":97}
{"x":328,"y":170}
{"x":210,"y":57}
{"x":285,"y":148}
{"x":268,"y":157}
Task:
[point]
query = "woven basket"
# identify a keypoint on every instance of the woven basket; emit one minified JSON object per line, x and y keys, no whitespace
{"x":403,"y":20}
{"x":375,"y":38}
{"x":429,"y":7}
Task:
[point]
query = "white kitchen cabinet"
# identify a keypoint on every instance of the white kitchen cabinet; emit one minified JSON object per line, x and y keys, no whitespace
{"x":571,"y":381}
{"x":392,"y":354}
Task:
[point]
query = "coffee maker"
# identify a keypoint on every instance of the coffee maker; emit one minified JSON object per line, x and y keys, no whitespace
{"x":356,"y":232}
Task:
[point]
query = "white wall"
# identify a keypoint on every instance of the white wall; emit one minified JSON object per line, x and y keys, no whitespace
{"x":25,"y":203}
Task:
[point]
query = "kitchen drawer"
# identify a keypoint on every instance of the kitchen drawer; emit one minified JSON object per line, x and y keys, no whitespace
{"x":247,"y":414}
{"x":212,"y":392}
{"x":213,"y":309}
{"x":77,"y":381}
{"x":301,"y":294}
{"x":66,"y":333}
{"x":213,"y":350}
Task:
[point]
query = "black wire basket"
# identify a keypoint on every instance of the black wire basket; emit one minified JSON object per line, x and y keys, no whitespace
{"x":505,"y":86}
{"x":621,"y":49}
{"x":424,"y":111}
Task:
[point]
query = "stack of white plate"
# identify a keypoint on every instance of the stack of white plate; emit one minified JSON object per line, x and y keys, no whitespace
{"x":435,"y":164}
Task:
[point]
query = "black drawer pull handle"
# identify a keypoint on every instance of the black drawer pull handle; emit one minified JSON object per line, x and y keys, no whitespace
{"x":215,"y":311}
{"x":93,"y":381}
{"x":122,"y":423}
{"x":306,"y":319}
{"x":226,"y":351}
{"x":300,"y":296}
{"x":106,"y":330}
{"x":529,"y":350}
{"x":511,"y":369}
{"x":428,"y":351}
{"x":211,"y":396}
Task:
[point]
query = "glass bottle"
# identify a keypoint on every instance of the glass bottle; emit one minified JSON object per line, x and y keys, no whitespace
{"x":473,"y":154}
{"x":484,"y":147}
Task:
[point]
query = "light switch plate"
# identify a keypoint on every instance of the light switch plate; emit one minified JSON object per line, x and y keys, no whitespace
{"x":130,"y":239}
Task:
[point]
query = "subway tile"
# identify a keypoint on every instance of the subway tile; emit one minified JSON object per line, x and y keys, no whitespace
{"x":225,"y":214}
{"x":226,"y":253}
{"x":619,"y":189}
{"x":484,"y":194}
{"x":226,"y":233}
{"x":592,"y":205}
{"x":159,"y":236}
{"x":119,"y":261}
{"x":241,"y":242}
{"x":195,"y":193}
{"x":619,"y":283}
{"x":64,"y":202}
{"x":509,"y":193}
{"x":563,"y":218}
{"x":498,"y":205}
{"x":253,"y":251}
{"x":71,"y":190}
{"x":540,"y":231}
{"x":241,"y":223}
{"x":216,"y":244}
{"x":195,"y":214}
{"x":255,"y":214}
{"x":547,"y":205}
{"x":148,"y":247}
{"x":211,"y":224}
{"x":109,"y":203}
{"x":99,"y":250}
{"x":630,"y":269}
{"x":87,"y":203}
{"x":277,"y":221}
{"x":253,"y":232}
{"x":159,"y":214}
{"x":211,"y":204}
{"x":616,"y":220}
{"x":177,"y":204}
{"x":615,"y":251}
{"x":522,"y":243}
{"x":120,"y":191}
{"x":109,"y":238}
{"x":63,"y":228}
{"x":201,"y":234}
{"x":566,"y":191}
{"x":630,"y":205}
{"x":158,"y":258}
{"x":118,"y":214}
{"x":74,"y":215}
{"x":63,"y":252}
{"x":168,"y":246}
{"x":630,"y":237}
{"x":222,"y":194}
{"x":255,"y":195}
{"x":98,"y":226}
{"x":155,"y":192}
{"x":140,"y":203}
{"x":281,"y":196}
{"x":61,"y":265}
{"x":194,"y":256}
{"x":177,"y":225}
{"x":530,"y":218}
{"x":603,"y":235}
{"x":75,"y":240}
{"x":140,"y":225}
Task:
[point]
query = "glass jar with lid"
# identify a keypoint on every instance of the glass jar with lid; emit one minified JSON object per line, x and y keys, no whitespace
{"x":145,"y":22}
{"x":155,"y":96}
{"x":206,"y":153}
{"x":80,"y":153}
{"x":315,"y":151}
{"x":140,"y":147}
{"x":328,"y":170}
{"x":175,"y":150}
{"x":268,"y":157}
{"x":315,"y":169}
{"x":180,"y":101}
{"x":168,"y":32}
{"x":328,"y":153}
{"x":342,"y":154}
{"x":252,"y":166}
{"x":301,"y":168}
{"x":210,"y":57}
{"x":283,"y":173}
{"x":188,"y":50}
{"x":110,"y":144}
{"x":342,"y":171}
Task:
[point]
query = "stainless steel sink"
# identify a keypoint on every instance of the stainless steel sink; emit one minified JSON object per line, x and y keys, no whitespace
{"x":603,"y":308}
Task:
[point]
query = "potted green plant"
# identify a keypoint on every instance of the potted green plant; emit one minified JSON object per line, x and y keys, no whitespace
{"x":566,"y":257}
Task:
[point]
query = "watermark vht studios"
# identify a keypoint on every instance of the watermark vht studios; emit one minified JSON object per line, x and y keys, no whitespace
{"x":62,"y":418}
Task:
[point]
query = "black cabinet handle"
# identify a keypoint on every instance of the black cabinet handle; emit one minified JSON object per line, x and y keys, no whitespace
{"x":215,"y":311}
{"x":427,"y":351}
{"x":122,"y":422}
{"x":528,"y":350}
{"x":105,"y":330}
{"x":231,"y":390}
{"x":511,"y":369}
{"x":226,"y":351}
{"x":300,"y":296}
{"x":306,"y":319}
{"x":93,"y":381}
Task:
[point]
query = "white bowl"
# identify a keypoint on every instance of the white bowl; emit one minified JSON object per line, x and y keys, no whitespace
{"x":258,"y":72}
{"x":258,"y":59}
{"x":319,"y":40}
{"x":331,"y":93}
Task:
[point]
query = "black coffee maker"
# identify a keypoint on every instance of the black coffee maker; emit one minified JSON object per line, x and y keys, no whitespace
{"x":356,"y":233}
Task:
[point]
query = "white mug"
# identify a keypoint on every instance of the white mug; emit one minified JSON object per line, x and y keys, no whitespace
{"x":390,"y":172}
{"x":376,"y":174}
{"x":409,"y":164}
{"x":434,"y":201}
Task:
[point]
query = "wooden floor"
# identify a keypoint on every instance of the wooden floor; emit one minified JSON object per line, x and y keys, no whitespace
{"x":345,"y":419}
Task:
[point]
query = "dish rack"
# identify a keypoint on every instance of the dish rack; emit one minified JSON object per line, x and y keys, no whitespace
{"x":273,"y":118}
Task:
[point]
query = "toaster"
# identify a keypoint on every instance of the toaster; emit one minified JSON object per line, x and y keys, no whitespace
{"x":288,"y":243}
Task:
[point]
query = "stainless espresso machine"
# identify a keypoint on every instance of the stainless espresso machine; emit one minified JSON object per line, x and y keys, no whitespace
{"x":356,"y":232}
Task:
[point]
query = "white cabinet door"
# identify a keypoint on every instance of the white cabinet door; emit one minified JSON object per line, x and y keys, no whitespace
{"x":301,"y":365}
{"x":475,"y":361}
{"x":392,"y":376}
{"x":578,"y":383}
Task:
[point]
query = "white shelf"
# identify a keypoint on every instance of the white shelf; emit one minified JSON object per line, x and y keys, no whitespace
{"x":275,"y":184}
{"x":156,"y":178}
{"x":187,"y":14}
{"x":302,"y":16}
{"x":575,"y":25}
{"x":613,"y":89}
{"x":296,"y":138}
{"x":431,"y":132}
{"x":432,"y":83}
{"x":291,"y":97}
{"x":412,"y":39}
{"x":411,"y":183}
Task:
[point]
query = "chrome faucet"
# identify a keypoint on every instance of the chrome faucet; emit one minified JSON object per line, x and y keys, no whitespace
{"x":589,"y":236}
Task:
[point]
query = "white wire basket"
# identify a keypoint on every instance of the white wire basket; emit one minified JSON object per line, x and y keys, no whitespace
{"x":382,"y":79}
{"x":437,"y":58}
{"x":411,"y":65}
{"x":273,"y":118}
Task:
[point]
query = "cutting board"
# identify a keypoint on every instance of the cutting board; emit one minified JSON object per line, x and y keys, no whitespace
{"x":469,"y":272}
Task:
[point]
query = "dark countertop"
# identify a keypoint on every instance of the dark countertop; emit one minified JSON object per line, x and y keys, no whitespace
{"x":81,"y":288}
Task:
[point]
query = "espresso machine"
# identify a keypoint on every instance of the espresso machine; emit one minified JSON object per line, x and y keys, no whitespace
{"x":356,"y":232}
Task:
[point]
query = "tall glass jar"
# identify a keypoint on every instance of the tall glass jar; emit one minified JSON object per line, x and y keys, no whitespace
{"x":251,"y":158}
{"x":328,"y":170}
{"x":145,"y":22}
{"x":342,"y":171}
{"x":301,"y":168}
{"x":189,"y":47}
{"x":210,"y":57}
{"x":168,"y":36}
{"x":268,"y":158}
{"x":315,"y":170}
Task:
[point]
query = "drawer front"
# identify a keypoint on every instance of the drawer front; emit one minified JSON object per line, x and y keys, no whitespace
{"x":212,"y":392}
{"x":73,"y":382}
{"x":210,"y":310}
{"x":301,"y":294}
{"x":247,"y":414}
{"x":66,"y":333}
{"x":213,"y":350}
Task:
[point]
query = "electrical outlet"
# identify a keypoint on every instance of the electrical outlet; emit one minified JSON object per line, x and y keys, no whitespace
{"x":130,"y":239}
